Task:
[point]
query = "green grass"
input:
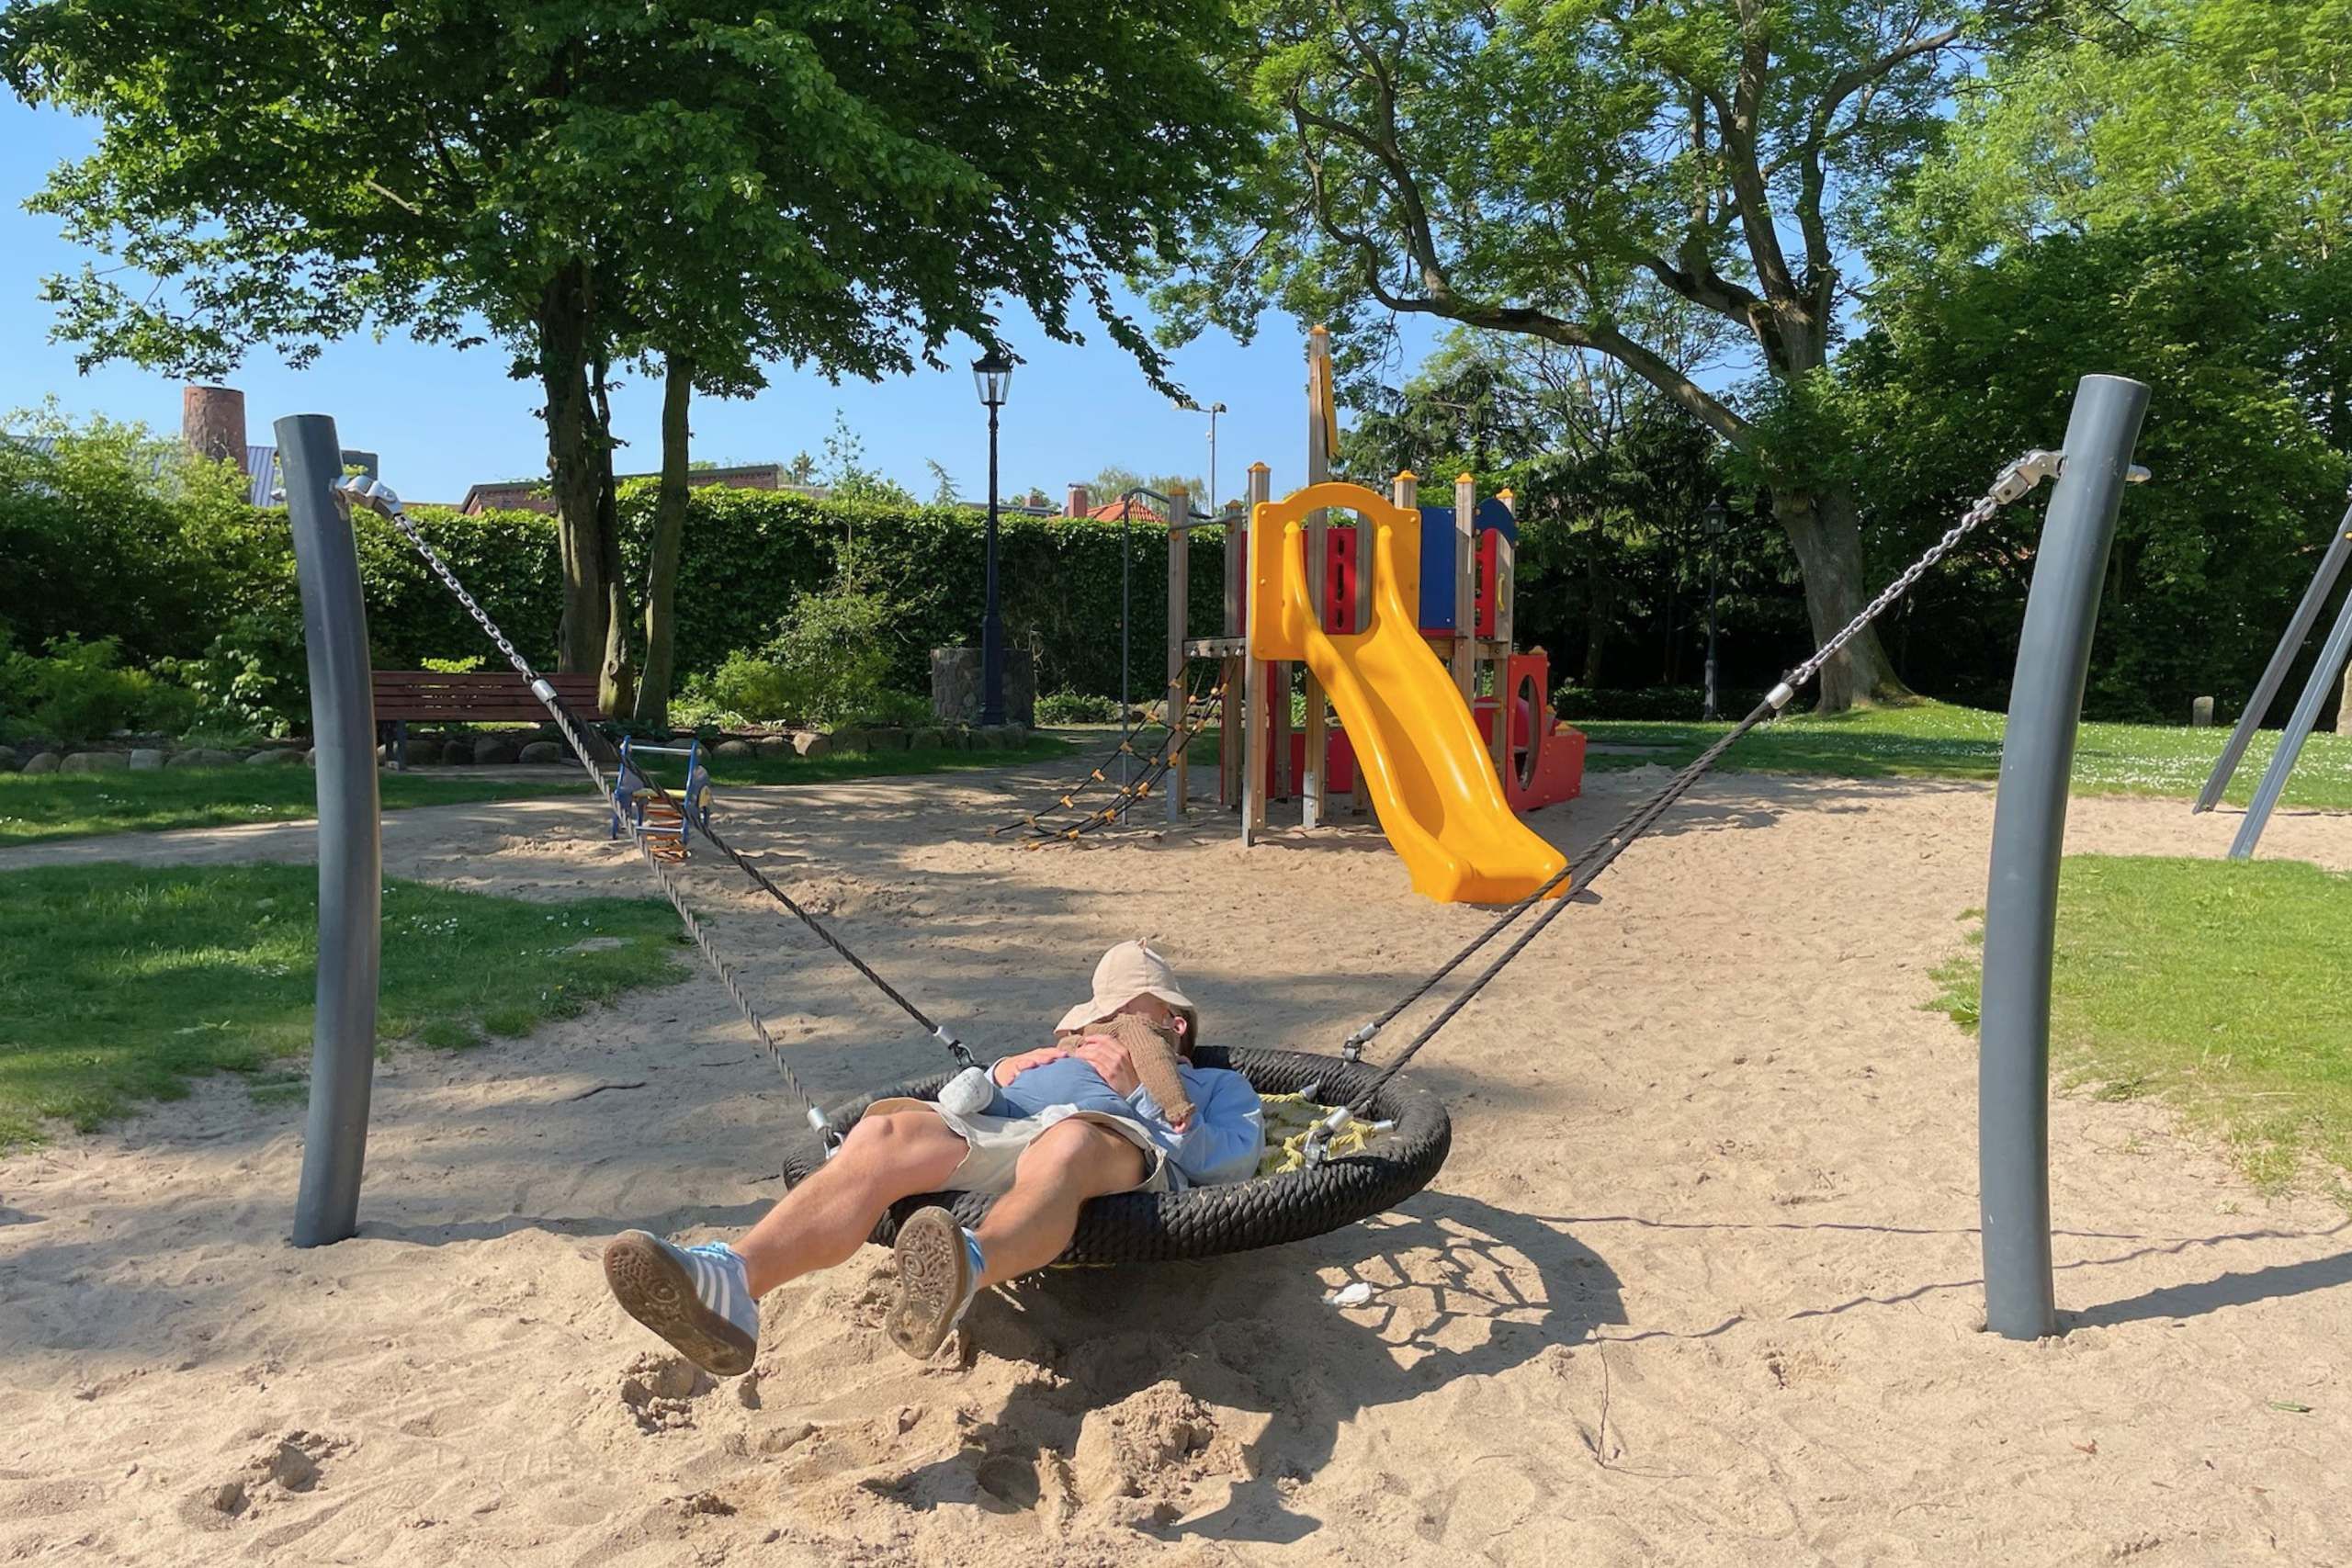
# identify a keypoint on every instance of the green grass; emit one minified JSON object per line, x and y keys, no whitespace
{"x":1932,"y":739}
{"x":34,"y":808}
{"x":2218,"y":988}
{"x":118,"y":982}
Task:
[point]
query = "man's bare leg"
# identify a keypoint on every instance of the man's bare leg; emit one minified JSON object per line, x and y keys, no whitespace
{"x":1072,"y":1162}
{"x":704,"y":1298}
{"x":1025,"y":1229}
{"x":828,"y":1217}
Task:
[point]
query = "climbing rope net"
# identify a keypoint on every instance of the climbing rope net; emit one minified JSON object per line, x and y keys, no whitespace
{"x":1067,"y":819}
{"x":2014,"y":480}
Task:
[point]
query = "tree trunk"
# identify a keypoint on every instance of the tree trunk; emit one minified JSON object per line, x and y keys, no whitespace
{"x":574,"y":468}
{"x":669,"y":534}
{"x":1825,"y":529}
{"x":615,"y":685}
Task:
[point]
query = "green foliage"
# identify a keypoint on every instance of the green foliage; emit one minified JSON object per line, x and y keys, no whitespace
{"x":109,"y":530}
{"x":78,"y":690}
{"x":1971,"y":362}
{"x":1077,"y":708}
{"x":119,"y":983}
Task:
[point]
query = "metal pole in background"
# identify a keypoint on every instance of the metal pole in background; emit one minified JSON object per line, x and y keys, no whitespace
{"x":2298,"y":729}
{"x":351,"y":872}
{"x":2331,"y":564}
{"x":2028,"y":835}
{"x":991,"y":618}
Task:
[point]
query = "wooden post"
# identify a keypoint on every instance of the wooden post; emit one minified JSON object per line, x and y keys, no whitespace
{"x":2344,"y":705}
{"x":1233,"y":672}
{"x":1259,"y":732}
{"x":1180,"y":585}
{"x":2201,"y":713}
{"x":1311,"y":781}
{"x":1465,"y":586}
{"x":1506,"y":581}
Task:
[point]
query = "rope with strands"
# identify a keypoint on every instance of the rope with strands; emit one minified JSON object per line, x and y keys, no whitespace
{"x":379,"y":499}
{"x":1206,"y":702}
{"x":2014,"y":482}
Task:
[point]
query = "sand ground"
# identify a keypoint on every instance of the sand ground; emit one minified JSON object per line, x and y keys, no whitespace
{"x":1699,"y":1283}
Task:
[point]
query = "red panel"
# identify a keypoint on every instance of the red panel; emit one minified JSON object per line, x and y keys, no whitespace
{"x":1485,"y":614}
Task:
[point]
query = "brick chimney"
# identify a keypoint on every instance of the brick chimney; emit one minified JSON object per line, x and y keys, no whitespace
{"x":1081,"y":504}
{"x":212,"y":422}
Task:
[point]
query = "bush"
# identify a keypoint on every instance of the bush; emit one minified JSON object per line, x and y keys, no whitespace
{"x":828,"y":664}
{"x":1077,"y":708}
{"x":252,"y":677}
{"x":80,"y":692}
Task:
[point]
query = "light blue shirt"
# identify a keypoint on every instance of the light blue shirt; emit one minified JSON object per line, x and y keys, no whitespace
{"x":1222,"y":1141}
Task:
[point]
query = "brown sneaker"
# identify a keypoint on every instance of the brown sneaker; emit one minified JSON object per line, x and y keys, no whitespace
{"x":936,"y":1283}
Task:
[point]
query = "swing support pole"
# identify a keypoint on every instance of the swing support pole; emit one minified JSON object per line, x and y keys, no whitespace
{"x":2028,"y":836}
{"x":351,"y":872}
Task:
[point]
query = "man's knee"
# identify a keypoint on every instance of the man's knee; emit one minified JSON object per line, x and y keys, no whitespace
{"x":1081,"y":1152}
{"x":915,"y":1140}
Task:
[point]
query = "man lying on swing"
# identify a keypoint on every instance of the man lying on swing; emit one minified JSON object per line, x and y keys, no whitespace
{"x":1114,"y":1105}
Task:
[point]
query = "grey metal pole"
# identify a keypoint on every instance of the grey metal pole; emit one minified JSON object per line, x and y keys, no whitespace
{"x":351,"y":872}
{"x":2298,"y":729}
{"x":2331,"y":565}
{"x":2029,"y":834}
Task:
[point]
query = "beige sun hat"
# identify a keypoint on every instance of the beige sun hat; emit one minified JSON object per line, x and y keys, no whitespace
{"x":1129,"y":971}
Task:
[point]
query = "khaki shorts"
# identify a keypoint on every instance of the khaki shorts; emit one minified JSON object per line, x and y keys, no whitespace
{"x":995,"y":1144}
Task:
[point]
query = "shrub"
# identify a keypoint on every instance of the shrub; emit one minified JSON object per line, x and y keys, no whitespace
{"x":254,"y":676}
{"x":1077,"y":708}
{"x":81,"y":691}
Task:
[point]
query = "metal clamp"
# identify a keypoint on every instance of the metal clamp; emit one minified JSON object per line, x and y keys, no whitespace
{"x":2019,"y":479}
{"x":955,"y":1048}
{"x":1351,"y":1048}
{"x":1318,"y":1149}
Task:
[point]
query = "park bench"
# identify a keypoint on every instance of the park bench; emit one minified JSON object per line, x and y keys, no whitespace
{"x":485,"y":697}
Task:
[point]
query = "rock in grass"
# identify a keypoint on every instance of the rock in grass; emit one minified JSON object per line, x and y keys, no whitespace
{"x":496,"y":750}
{"x":200,"y":757}
{"x":9,"y":761}
{"x":274,"y":757}
{"x":423,"y":751}
{"x":542,"y":752}
{"x":926,"y":739}
{"x":734,"y":749}
{"x":43,"y":763}
{"x":772,"y":745}
{"x":145,"y":760}
{"x":812,"y":743}
{"x":96,"y":763}
{"x":457,"y":750}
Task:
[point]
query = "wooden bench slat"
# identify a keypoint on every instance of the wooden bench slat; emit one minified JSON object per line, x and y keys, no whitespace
{"x":483,"y":695}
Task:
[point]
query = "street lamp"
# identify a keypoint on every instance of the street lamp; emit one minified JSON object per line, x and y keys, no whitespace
{"x":992,"y":375}
{"x":1213,"y":410}
{"x":1716,"y":526}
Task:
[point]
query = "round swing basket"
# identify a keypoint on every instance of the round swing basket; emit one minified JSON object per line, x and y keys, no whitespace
{"x":1204,"y":1221}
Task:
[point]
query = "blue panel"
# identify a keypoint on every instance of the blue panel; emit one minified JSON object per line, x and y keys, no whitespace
{"x":1437,"y":568}
{"x":1493,"y":513}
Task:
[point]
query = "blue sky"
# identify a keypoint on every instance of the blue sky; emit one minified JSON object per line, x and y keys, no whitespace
{"x":442,"y":419}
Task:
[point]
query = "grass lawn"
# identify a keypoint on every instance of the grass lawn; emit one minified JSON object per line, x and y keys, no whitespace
{"x":2218,"y":988}
{"x":117,"y":981}
{"x":1938,"y":741}
{"x":59,"y":806}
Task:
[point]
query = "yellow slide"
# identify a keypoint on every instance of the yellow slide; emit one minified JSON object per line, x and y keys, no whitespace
{"x":1417,"y":749}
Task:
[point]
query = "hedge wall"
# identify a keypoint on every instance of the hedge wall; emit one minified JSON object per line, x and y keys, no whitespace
{"x":748,"y":552}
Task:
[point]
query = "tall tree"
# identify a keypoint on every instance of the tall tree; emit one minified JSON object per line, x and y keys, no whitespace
{"x":850,"y":185}
{"x":1520,"y":168}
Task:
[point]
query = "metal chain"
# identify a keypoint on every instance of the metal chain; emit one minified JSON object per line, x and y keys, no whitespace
{"x":2016,"y":480}
{"x":383,"y":502}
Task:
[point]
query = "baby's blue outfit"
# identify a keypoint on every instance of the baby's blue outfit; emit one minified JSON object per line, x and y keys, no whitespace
{"x":1227,"y":1131}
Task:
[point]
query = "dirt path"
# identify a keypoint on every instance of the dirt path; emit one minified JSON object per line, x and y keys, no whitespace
{"x":1699,"y":1285}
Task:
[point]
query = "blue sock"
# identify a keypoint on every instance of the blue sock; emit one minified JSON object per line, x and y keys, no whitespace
{"x":972,"y":1251}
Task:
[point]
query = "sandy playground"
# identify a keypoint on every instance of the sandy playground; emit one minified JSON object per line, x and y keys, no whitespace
{"x":1699,"y":1284}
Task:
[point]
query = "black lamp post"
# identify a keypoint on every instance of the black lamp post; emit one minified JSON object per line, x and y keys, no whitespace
{"x":1715,"y":528}
{"x":992,"y":374}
